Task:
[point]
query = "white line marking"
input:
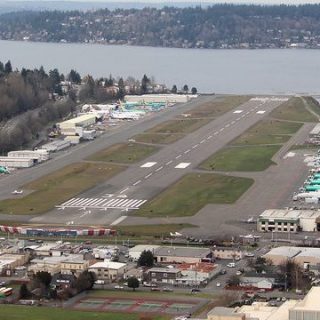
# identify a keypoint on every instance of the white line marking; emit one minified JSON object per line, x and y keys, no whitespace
{"x":247,"y":113}
{"x":169,"y":162}
{"x":148,"y":175}
{"x":148,"y":165}
{"x":216,"y":133}
{"x":139,"y":203}
{"x":187,"y":151}
{"x":227,"y":125}
{"x":237,"y":111}
{"x":238,"y":119}
{"x":209,"y":137}
{"x":179,"y":156}
{"x":221,"y":129}
{"x":202,"y":141}
{"x":117,"y":221}
{"x":195,"y":146}
{"x":160,"y":168}
{"x":182,"y":165}
{"x":261,"y":112}
{"x":233,"y":122}
{"x":137,"y":182}
{"x":124,"y":190}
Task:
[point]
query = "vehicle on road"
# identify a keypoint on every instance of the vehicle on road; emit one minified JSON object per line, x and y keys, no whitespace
{"x":195,"y":290}
{"x":155,"y":289}
{"x":166,"y":289}
{"x":231,"y":265}
{"x":218,"y":284}
{"x":223,"y":271}
{"x":249,"y":254}
{"x":117,"y":287}
{"x":238,"y":273}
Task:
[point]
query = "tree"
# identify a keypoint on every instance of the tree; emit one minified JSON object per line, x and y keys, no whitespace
{"x":85,"y":281}
{"x":74,"y":77}
{"x":133,"y":283}
{"x":174,"y":89}
{"x":8,"y":67}
{"x":144,"y":84}
{"x":44,"y":278}
{"x":194,"y":90}
{"x":54,"y":76}
{"x":24,"y":292}
{"x":185,"y":88}
{"x":146,"y":259}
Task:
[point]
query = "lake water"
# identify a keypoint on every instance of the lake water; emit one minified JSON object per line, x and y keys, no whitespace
{"x":275,"y":71}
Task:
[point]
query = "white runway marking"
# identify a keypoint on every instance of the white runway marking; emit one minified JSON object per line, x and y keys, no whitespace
{"x":179,"y":156}
{"x":137,"y":182}
{"x":124,"y":190}
{"x":160,"y":168}
{"x":202,"y":141}
{"x":169,"y":162}
{"x":216,"y":133}
{"x":148,"y":165}
{"x":187,"y":151}
{"x":104,"y":204}
{"x":233,"y":122}
{"x":182,"y":165}
{"x":115,"y":222}
{"x":148,"y":175}
{"x":227,"y":125}
{"x":237,"y":111}
{"x":195,"y":146}
{"x":261,"y":112}
{"x":221,"y":129}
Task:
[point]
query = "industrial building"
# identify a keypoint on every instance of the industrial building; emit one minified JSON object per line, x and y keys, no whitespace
{"x":56,"y":145}
{"x":108,"y":270}
{"x":307,"y":309}
{"x":303,"y":256}
{"x":36,"y":155}
{"x":71,"y":127}
{"x":167,"y":98}
{"x":289,"y":220}
{"x":315,"y":132}
{"x":16,"y":162}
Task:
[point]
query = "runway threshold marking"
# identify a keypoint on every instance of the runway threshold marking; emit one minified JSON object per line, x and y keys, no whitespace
{"x":237,"y":111}
{"x":182,"y":165}
{"x":103,"y":204}
{"x":148,"y":165}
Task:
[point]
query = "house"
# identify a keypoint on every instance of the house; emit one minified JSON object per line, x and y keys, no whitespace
{"x":74,"y":265}
{"x":163,"y":275}
{"x":108,"y":270}
{"x":259,"y":280}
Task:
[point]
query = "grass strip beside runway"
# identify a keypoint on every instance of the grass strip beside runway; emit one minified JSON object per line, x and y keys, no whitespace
{"x":158,"y":138}
{"x":124,"y":153}
{"x":268,"y":131}
{"x":249,"y":158}
{"x":58,"y":187}
{"x":295,"y":110}
{"x":187,"y":196}
{"x":14,"y":312}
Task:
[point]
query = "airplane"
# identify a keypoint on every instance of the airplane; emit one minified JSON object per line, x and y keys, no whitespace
{"x":4,"y":170}
{"x":17,"y":192}
{"x":249,"y":220}
{"x":175,"y":234}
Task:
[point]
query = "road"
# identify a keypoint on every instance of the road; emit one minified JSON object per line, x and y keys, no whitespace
{"x":109,"y":203}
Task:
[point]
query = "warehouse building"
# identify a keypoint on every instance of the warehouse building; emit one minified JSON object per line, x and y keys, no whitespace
{"x":315,"y":132}
{"x":16,"y":162}
{"x":108,"y":270}
{"x":56,"y":145}
{"x":72,"y":126}
{"x":289,"y":220}
{"x":167,"y":98}
{"x":36,"y":155}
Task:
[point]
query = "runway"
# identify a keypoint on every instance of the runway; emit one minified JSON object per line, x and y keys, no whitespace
{"x":144,"y":180}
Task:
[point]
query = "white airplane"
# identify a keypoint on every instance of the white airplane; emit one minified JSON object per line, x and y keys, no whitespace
{"x":17,"y":192}
{"x":175,"y":234}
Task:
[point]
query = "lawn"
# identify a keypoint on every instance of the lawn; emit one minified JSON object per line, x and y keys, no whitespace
{"x":217,"y":107}
{"x":158,"y":138}
{"x":40,"y":313}
{"x":58,"y":187}
{"x":245,"y":158}
{"x":268,"y":131}
{"x":151,"y":230}
{"x":294,"y":110}
{"x":179,"y":126}
{"x":313,"y":104}
{"x":188,"y":195}
{"x":124,"y":153}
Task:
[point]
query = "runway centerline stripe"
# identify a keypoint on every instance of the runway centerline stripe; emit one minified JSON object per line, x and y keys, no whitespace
{"x":148,"y":175}
{"x":160,"y":168}
{"x":169,"y":162}
{"x":137,"y":182}
{"x":187,"y":151}
{"x":179,"y":156}
{"x":124,"y":190}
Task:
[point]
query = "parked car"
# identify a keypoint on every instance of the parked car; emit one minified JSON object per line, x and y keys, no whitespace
{"x":195,"y":290}
{"x":118,"y":287}
{"x":155,"y":289}
{"x":231,"y":265}
{"x":238,"y":273}
{"x":218,"y":284}
{"x":166,"y":289}
{"x":223,"y":271}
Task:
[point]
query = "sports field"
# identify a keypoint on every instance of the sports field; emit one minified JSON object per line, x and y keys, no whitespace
{"x":169,"y":307}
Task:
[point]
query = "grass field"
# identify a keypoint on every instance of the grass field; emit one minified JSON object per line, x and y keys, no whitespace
{"x":245,"y":158}
{"x":294,"y":110}
{"x":268,"y":132}
{"x":59,"y":187}
{"x":187,"y":196}
{"x":151,"y":230}
{"x":217,"y":107}
{"x":313,"y":105}
{"x":124,"y":153}
{"x":40,"y":313}
{"x":158,"y":138}
{"x":179,"y":126}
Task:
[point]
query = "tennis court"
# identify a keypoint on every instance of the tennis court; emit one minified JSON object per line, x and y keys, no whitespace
{"x":137,"y":305}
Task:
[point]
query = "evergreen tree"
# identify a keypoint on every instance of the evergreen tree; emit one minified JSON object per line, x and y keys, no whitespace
{"x":185,"y":88}
{"x":7,"y":67}
{"x":146,"y":259}
{"x":144,"y":84}
{"x":194,"y":90}
{"x":133,"y":283}
{"x":174,"y":89}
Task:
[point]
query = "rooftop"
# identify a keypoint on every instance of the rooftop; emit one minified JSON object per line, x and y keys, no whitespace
{"x":182,"y":252}
{"x":166,"y":270}
{"x":289,"y":214}
{"x":200,"y":267}
{"x":288,"y":252}
{"x":81,"y":118}
{"x":108,"y":265}
{"x":310,"y":302}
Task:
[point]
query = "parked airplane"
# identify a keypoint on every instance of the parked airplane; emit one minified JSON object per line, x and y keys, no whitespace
{"x":17,"y":192}
{"x":4,"y":170}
